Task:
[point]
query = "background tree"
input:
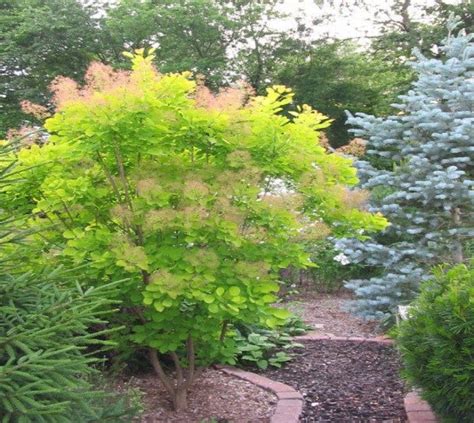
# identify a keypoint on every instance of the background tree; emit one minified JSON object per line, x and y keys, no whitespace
{"x":408,"y":25}
{"x":365,"y":74}
{"x":39,"y":41}
{"x":423,"y":180}
{"x":262,"y":44}
{"x":336,"y":77}
{"x":193,"y":34}
{"x":223,"y":40}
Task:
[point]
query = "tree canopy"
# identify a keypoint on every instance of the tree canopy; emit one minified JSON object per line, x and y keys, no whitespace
{"x":222,"y":40}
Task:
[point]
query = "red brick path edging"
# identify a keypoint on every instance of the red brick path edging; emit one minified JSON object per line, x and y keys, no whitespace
{"x":289,"y":401}
{"x":418,"y":410}
{"x":316,"y":336}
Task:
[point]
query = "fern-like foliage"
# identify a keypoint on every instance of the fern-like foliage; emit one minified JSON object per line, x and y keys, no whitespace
{"x":45,"y":322}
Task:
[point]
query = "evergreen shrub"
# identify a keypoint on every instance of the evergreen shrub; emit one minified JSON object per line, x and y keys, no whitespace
{"x":45,"y":326}
{"x":437,"y":343}
{"x":418,"y":168}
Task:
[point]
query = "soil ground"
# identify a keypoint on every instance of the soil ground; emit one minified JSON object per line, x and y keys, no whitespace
{"x":341,"y":381}
{"x":327,"y":314}
{"x":215,"y":398}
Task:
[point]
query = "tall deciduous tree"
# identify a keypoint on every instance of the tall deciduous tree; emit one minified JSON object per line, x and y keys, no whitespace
{"x":335,"y":77}
{"x":409,"y":24}
{"x":40,"y":40}
{"x":222,"y":40}
{"x":191,"y":34}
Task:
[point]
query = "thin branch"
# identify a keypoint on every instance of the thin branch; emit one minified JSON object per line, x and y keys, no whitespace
{"x":179,"y":369}
{"x":66,"y":208}
{"x":109,"y":177}
{"x":128,"y":198}
{"x":191,"y":362}
{"x":123,"y":177}
{"x":48,"y":241}
{"x":63,"y":221}
{"x":223,"y":330}
{"x":155,"y":362}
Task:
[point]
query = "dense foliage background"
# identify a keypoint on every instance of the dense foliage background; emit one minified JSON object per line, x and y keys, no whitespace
{"x":224,"y":41}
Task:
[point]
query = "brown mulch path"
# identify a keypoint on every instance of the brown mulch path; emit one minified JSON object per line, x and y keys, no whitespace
{"x":215,"y":397}
{"x":345,"y":381}
{"x":342,"y":381}
{"x":326,"y":314}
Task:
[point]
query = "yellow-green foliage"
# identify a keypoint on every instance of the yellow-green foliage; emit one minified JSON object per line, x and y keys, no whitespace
{"x":198,"y":199}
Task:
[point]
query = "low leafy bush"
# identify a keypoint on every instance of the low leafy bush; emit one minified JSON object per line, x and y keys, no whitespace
{"x":261,"y":347}
{"x":437,"y":343}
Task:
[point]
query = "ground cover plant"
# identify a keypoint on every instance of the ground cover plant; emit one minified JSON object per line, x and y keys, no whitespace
{"x":197,"y":200}
{"x":419,"y":169}
{"x":262,"y":347}
{"x":437,"y":342}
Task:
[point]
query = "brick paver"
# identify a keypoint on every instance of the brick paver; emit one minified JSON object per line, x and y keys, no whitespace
{"x":418,"y":410}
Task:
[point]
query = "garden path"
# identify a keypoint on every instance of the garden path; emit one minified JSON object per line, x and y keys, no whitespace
{"x":347,"y":379}
{"x":327,"y":315}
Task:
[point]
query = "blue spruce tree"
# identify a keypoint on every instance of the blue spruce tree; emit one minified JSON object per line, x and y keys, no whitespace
{"x":419,"y":168}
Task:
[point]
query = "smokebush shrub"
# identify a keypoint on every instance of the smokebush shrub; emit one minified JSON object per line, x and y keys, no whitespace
{"x":198,"y":200}
{"x":437,"y":343}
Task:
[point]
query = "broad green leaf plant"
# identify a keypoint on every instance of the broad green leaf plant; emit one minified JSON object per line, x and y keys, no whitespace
{"x":197,"y":199}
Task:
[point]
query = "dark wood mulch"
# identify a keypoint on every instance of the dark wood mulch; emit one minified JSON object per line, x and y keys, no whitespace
{"x":345,"y":381}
